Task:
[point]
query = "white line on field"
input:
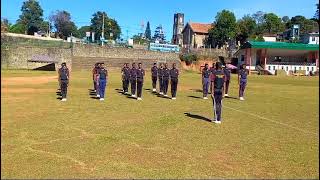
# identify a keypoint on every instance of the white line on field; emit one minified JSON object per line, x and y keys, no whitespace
{"x":270,"y":120}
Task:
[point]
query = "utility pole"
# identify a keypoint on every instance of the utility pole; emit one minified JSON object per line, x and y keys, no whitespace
{"x":102,"y":33}
{"x":49,"y":29}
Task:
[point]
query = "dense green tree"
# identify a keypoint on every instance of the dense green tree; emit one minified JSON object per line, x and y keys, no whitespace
{"x":137,"y":39}
{"x":285,"y":19}
{"x":272,"y":23}
{"x":18,"y":28}
{"x":63,"y":24}
{"x":306,"y":25}
{"x":111,"y":28}
{"x":316,"y":15}
{"x":225,"y":28}
{"x":148,"y":31}
{"x":246,"y":28}
{"x":159,"y":35}
{"x":31,"y":16}
{"x":82,"y":31}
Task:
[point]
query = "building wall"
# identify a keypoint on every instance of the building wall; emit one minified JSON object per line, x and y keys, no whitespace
{"x":199,"y":40}
{"x":269,"y":39}
{"x":187,"y":37}
{"x":273,"y":67}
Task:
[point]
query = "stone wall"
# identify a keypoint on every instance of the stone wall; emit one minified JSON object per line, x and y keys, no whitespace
{"x":17,"y":57}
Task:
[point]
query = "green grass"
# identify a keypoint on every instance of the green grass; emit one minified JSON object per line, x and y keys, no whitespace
{"x":274,"y":133}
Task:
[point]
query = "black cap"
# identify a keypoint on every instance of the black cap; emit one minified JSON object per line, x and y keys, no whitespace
{"x":63,"y":64}
{"x":218,"y":64}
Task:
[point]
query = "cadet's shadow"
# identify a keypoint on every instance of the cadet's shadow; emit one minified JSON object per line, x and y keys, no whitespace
{"x":130,"y":97}
{"x":93,"y":97}
{"x":151,"y":92}
{"x":194,"y":116}
{"x":58,"y":93}
{"x":196,"y":90}
{"x":59,"y":98}
{"x":196,"y":97}
{"x":230,"y":97}
{"x":121,"y":92}
{"x":162,"y":96}
{"x":93,"y":94}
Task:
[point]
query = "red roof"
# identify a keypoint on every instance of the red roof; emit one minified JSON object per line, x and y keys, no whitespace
{"x":200,"y":27}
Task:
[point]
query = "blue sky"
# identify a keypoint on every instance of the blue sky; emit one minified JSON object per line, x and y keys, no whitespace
{"x":130,"y":13}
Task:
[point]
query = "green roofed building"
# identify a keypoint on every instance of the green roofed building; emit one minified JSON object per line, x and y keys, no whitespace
{"x":272,"y":56}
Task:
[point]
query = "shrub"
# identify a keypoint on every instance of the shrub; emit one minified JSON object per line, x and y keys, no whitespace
{"x":188,"y":58}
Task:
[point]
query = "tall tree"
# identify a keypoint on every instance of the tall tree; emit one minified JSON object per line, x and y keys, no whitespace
{"x":31,"y":16}
{"x":316,"y":15}
{"x":18,"y":28}
{"x":111,"y":28}
{"x":63,"y":24}
{"x":225,"y":28}
{"x":148,"y":31}
{"x":306,"y":25}
{"x":272,"y":23}
{"x":285,"y":19}
{"x":159,"y":35}
{"x":246,"y":28}
{"x":258,"y":17}
{"x":82,"y":31}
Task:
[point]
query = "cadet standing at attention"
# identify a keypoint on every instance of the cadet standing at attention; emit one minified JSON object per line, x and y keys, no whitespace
{"x":212,"y":70}
{"x":227,"y":73}
{"x":64,"y":80}
{"x":94,"y":74}
{"x":160,"y":75}
{"x":174,"y":74}
{"x":140,"y":75}
{"x":242,"y":80}
{"x":154,"y":75}
{"x":126,"y":76}
{"x":103,"y":78}
{"x":133,"y":79}
{"x":97,"y":80}
{"x":59,"y":77}
{"x":122,"y":76}
{"x":206,"y":72}
{"x":166,"y":74}
{"x":218,"y":82}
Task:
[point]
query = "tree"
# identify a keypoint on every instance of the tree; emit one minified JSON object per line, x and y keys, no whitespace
{"x":285,"y":19}
{"x":316,"y":15}
{"x":159,"y":35}
{"x":63,"y":24}
{"x":306,"y":25}
{"x":137,"y":39}
{"x":5,"y":25}
{"x":258,"y":17}
{"x":18,"y":28}
{"x":148,"y":31}
{"x":224,"y":30}
{"x":111,"y":28}
{"x":31,"y":16}
{"x":272,"y":23}
{"x":246,"y":28}
{"x":82,"y":31}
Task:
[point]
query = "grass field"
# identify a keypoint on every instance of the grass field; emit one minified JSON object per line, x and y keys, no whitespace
{"x":274,"y":133}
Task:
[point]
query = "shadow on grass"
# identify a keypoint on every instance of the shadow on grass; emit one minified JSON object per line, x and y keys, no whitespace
{"x":194,"y":116}
{"x":59,"y":98}
{"x":196,"y":97}
{"x":196,"y":90}
{"x":130,"y":97}
{"x":93,"y":97}
{"x":230,"y":97}
{"x":162,"y":96}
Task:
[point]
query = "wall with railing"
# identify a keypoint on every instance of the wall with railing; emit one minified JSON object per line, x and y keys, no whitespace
{"x":291,"y":67}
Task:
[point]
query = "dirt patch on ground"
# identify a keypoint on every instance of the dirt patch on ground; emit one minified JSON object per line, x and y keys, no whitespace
{"x":28,"y":80}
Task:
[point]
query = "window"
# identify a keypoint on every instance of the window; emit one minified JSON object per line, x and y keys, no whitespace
{"x":282,"y":67}
{"x":242,"y":57}
{"x":274,"y":67}
{"x":287,"y":68}
{"x":311,"y":68}
{"x":307,"y":68}
{"x":269,"y":68}
{"x":180,"y":19}
{"x":299,"y":68}
{"x":313,"y":39}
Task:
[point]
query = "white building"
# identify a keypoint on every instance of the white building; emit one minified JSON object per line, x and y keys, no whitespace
{"x":310,"y":38}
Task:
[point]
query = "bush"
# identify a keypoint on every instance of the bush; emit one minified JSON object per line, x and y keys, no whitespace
{"x":188,"y":58}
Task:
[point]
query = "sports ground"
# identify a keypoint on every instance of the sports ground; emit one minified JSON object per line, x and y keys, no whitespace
{"x":274,"y":133}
